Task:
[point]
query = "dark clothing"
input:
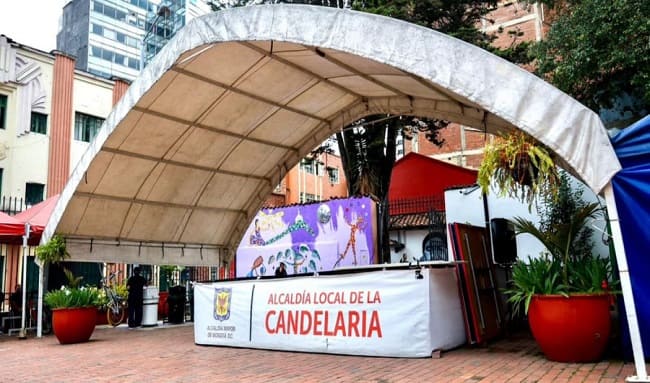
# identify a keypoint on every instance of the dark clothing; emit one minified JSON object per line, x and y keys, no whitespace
{"x":280,"y":272}
{"x":16,"y":301}
{"x":135,"y":285}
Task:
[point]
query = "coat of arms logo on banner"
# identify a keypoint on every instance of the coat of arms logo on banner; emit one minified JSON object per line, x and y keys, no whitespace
{"x":222,"y":303}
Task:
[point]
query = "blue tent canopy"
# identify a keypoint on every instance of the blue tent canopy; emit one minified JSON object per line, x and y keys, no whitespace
{"x":632,"y":192}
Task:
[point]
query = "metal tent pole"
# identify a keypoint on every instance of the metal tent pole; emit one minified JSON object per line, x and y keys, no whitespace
{"x":22,"y":334}
{"x":626,"y":287}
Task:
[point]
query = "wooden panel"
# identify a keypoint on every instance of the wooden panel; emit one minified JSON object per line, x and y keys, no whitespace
{"x":477,"y":281}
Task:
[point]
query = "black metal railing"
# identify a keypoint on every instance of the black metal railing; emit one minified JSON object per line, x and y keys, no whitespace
{"x":416,"y":205}
{"x":12,"y":205}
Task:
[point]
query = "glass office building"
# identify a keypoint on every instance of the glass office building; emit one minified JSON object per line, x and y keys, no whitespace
{"x":106,"y":36}
{"x":165,"y":19}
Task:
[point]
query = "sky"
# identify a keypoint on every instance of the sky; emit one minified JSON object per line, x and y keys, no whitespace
{"x":31,"y":22}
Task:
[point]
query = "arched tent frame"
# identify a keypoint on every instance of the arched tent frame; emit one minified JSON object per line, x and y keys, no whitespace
{"x":238,"y":97}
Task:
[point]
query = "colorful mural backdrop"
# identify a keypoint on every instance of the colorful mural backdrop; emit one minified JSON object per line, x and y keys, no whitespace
{"x":309,"y":238}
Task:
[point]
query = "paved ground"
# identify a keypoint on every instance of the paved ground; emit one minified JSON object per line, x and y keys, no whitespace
{"x":168,"y":354}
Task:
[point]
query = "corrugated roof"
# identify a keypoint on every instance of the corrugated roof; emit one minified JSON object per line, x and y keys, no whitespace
{"x":417,"y":220}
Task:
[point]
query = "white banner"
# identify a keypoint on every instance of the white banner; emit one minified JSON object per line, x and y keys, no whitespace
{"x":385,"y":313}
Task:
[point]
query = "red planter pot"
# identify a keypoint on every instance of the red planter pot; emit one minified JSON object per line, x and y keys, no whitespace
{"x":101,"y":318}
{"x":162,"y":304}
{"x":573,"y":329}
{"x":74,"y":325}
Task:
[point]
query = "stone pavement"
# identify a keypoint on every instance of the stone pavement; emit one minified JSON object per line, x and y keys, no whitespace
{"x":168,"y":354}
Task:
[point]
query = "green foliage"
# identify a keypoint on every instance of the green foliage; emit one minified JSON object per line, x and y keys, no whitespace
{"x":68,"y":297}
{"x":538,"y":276}
{"x":457,"y":18}
{"x":519,"y":168}
{"x":121,"y":290}
{"x":73,"y":281}
{"x":598,"y":51}
{"x":54,"y":251}
{"x":560,"y":207}
{"x":569,"y":266}
{"x":592,"y":275}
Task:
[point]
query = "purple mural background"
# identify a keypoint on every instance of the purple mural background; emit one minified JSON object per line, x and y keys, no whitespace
{"x":309,"y":238}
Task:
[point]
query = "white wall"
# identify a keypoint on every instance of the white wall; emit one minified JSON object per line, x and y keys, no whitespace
{"x":24,"y":159}
{"x":412,"y":239}
{"x":26,"y":156}
{"x":466,"y":206}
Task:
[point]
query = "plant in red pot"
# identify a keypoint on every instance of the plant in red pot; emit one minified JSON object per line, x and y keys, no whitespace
{"x":74,"y":313}
{"x":74,"y":308}
{"x":566,"y":292}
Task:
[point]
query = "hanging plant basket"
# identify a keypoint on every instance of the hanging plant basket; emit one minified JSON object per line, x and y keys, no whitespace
{"x":524,"y":172}
{"x":52,"y":252}
{"x":518,"y":167}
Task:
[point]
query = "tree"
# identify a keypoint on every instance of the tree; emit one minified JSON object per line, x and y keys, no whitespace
{"x":457,"y":18}
{"x":367,"y":156}
{"x":598,"y":51}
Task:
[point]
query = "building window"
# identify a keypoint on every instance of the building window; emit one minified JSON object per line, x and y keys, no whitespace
{"x":33,"y":193}
{"x":38,"y":123}
{"x":98,"y":30}
{"x":333,"y":174}
{"x":86,"y":126}
{"x":308,"y":197}
{"x":133,"y":63}
{"x":3,"y":111}
{"x":307,"y":165}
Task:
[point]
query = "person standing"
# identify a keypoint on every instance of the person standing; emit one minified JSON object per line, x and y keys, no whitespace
{"x":16,"y":300}
{"x":135,"y":284}
{"x":281,"y":271}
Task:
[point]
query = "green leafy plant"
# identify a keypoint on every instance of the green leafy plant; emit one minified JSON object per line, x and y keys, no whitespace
{"x":120,"y":289}
{"x":52,"y":252}
{"x":73,"y":281}
{"x":518,"y":167}
{"x":68,"y":297}
{"x":568,"y":265}
{"x":538,"y":276}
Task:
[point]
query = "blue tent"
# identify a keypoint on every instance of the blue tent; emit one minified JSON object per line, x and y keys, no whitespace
{"x":632,"y":192}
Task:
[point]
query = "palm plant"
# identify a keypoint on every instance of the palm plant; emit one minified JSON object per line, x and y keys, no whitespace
{"x":568,"y":265}
{"x":559,"y":240}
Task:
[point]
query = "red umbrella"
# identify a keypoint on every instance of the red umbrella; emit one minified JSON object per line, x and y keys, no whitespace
{"x":37,"y":217}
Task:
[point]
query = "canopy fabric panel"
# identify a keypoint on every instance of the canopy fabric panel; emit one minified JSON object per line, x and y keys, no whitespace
{"x":11,"y":229}
{"x":38,"y":215}
{"x":237,"y":97}
{"x":632,"y":192}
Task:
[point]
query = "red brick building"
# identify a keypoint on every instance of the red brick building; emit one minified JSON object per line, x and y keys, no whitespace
{"x":512,"y":22}
{"x":316,"y":178}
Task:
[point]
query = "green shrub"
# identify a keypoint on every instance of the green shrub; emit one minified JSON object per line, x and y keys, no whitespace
{"x":67,"y":297}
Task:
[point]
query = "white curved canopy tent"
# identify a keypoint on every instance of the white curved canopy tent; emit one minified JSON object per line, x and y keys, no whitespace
{"x":189,"y":154}
{"x":237,"y":98}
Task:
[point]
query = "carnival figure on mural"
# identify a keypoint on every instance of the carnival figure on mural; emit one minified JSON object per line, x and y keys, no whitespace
{"x":352,"y":242}
{"x":256,"y":238}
